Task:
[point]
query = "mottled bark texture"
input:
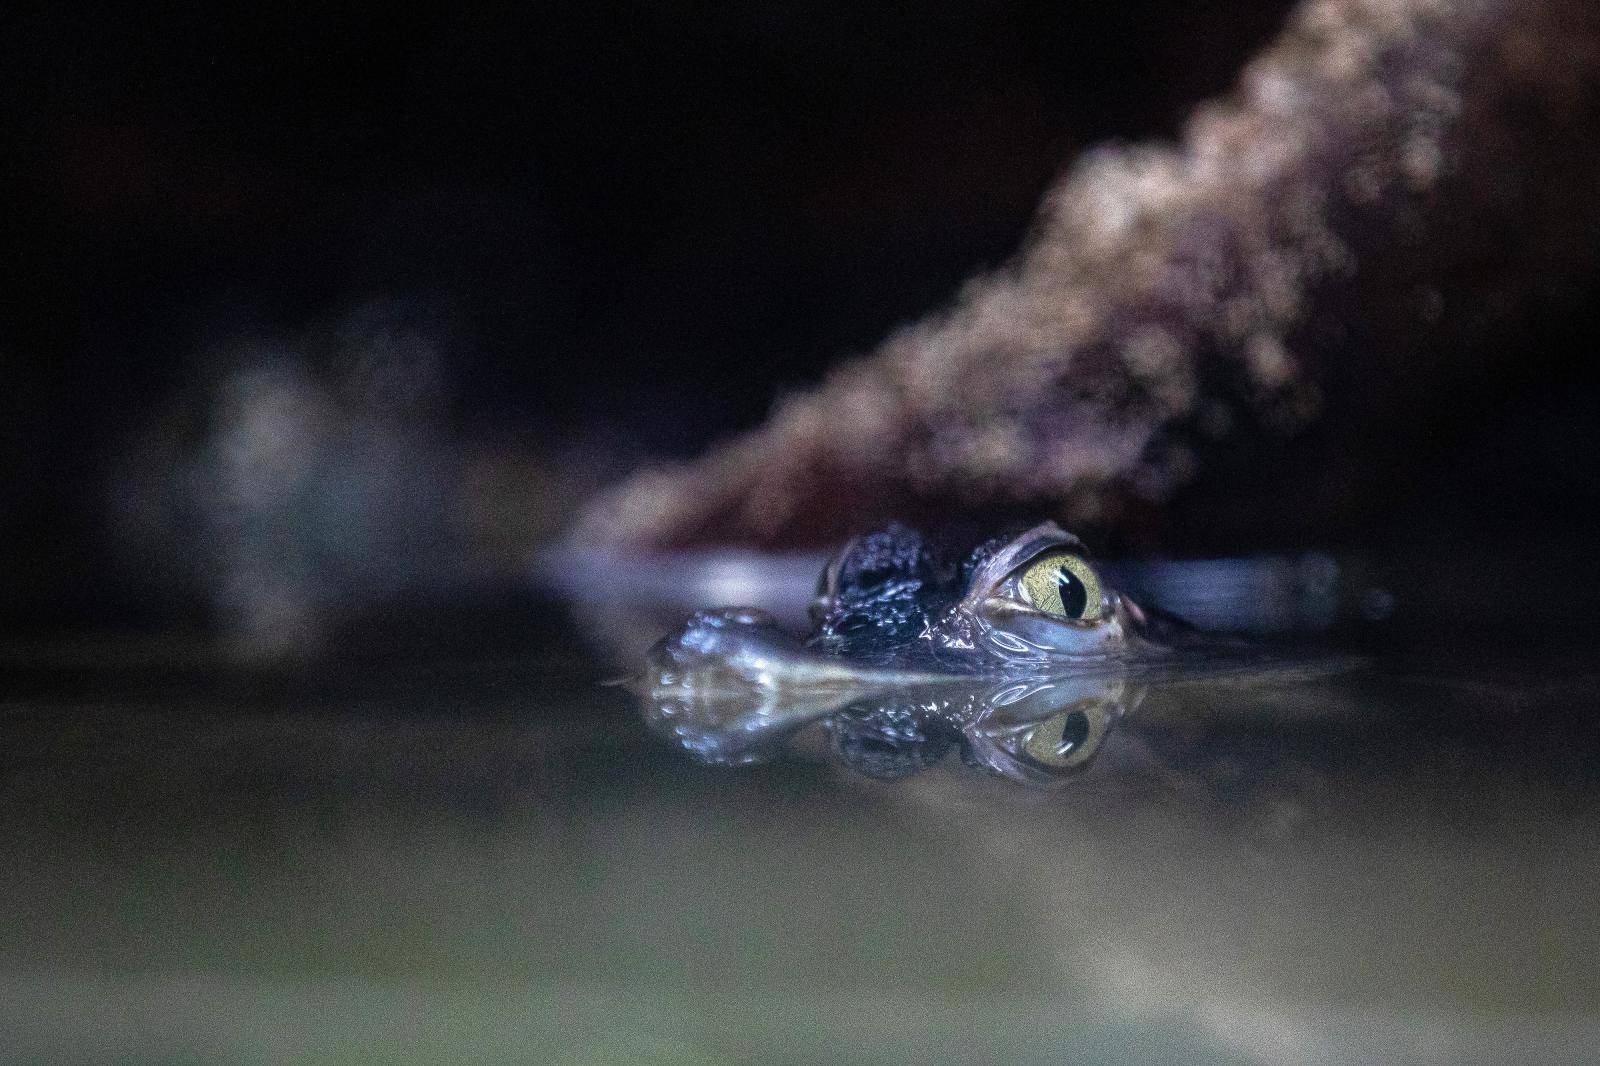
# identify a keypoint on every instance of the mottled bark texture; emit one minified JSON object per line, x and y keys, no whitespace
{"x":1388,"y":176}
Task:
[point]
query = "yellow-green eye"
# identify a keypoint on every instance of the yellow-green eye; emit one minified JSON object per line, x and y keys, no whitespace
{"x":1067,"y":740}
{"x":1063,"y":585}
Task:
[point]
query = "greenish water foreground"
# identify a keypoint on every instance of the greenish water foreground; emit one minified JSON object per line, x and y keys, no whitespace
{"x":411,"y":858}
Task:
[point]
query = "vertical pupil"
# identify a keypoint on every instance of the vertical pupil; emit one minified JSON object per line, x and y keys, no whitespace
{"x":1074,"y":597}
{"x":1074,"y":731}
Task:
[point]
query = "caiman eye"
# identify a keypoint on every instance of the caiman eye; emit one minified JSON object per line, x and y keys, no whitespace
{"x":1063,"y":585}
{"x":1068,"y":740}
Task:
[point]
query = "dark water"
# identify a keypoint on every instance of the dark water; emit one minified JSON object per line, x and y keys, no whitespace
{"x":472,"y":851}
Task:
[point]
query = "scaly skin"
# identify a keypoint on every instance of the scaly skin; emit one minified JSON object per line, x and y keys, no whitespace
{"x":915,"y":650}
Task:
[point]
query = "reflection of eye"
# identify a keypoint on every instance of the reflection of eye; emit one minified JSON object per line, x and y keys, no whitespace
{"x":1063,"y":585}
{"x":1067,"y":740}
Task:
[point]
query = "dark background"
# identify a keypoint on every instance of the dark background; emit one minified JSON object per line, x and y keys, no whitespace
{"x":631,"y":226}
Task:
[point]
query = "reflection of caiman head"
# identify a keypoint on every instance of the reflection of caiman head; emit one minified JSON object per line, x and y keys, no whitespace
{"x":1014,"y":652}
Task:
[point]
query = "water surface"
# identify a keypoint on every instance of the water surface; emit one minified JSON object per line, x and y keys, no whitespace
{"x":423,"y":850}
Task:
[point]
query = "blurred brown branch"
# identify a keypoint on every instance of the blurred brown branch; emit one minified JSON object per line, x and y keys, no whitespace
{"x":1406,"y":171}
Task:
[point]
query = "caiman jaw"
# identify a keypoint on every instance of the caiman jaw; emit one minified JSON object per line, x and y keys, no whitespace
{"x":742,"y":650}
